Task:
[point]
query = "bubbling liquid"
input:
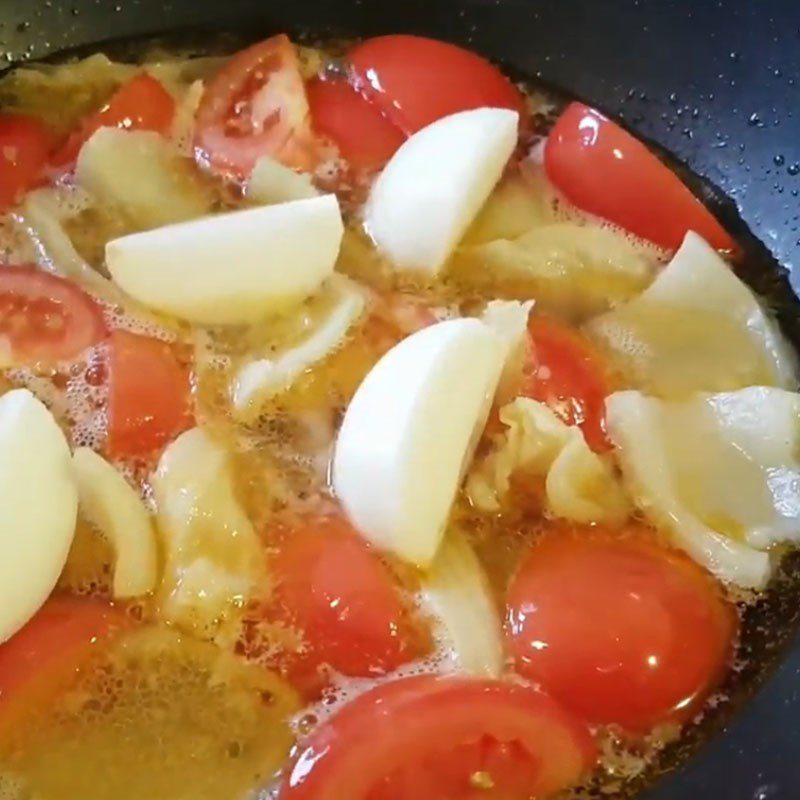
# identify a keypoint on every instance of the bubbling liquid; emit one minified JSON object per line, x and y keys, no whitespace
{"x":170,"y":707}
{"x":163,"y":714}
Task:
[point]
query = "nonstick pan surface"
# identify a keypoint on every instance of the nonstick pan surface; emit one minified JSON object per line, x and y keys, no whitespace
{"x":715,"y":82}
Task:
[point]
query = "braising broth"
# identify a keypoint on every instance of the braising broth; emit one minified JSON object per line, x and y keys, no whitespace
{"x":364,"y":437}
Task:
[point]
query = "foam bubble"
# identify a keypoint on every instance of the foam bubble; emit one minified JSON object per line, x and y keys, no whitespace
{"x":77,"y":395}
{"x":43,"y":386}
{"x":197,"y":722}
{"x":74,"y":394}
{"x":331,"y":170}
{"x":69,"y":200}
{"x":15,"y":247}
{"x":182,"y":133}
{"x":343,"y":690}
{"x":118,"y":317}
{"x":13,"y":787}
{"x":564,"y":211}
{"x":633,"y":350}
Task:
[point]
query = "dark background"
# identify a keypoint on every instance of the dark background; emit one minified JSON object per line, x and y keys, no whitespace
{"x":717,"y":83}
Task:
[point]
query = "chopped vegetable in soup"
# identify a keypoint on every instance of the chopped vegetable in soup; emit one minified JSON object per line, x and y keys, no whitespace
{"x":361,"y":439}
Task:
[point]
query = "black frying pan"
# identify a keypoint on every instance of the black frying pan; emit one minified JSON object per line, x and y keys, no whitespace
{"x":717,"y":83}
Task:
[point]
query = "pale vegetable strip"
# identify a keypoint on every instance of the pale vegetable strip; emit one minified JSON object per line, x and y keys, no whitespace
{"x":697,"y":327}
{"x":571,"y":267}
{"x":509,"y":319}
{"x":272,"y":182}
{"x":109,"y":503}
{"x":263,"y":378}
{"x":579,"y":484}
{"x":456,"y":591}
{"x":634,"y":426}
{"x":143,"y":175}
{"x":40,"y":219}
{"x":213,"y":558}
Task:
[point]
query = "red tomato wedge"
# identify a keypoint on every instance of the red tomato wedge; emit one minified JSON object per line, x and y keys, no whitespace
{"x":256,"y":105}
{"x":140,"y":104}
{"x":44,"y":318}
{"x":570,"y":376}
{"x":339,"y":594}
{"x":605,"y":171}
{"x":363,"y":135}
{"x":429,"y":738}
{"x":36,"y":661}
{"x":618,"y":628}
{"x":415,"y":81}
{"x":149,"y":395}
{"x":25,"y":144}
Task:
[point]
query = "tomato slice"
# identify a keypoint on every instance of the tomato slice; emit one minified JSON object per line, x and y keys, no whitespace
{"x":256,"y":105}
{"x":140,"y":104}
{"x":605,"y":171}
{"x":44,"y":318}
{"x":429,"y":738}
{"x":39,"y":657}
{"x":618,"y":628}
{"x":149,"y":395}
{"x":415,"y":81}
{"x":363,"y":135}
{"x":570,"y":376}
{"x":342,"y":598}
{"x":25,"y":144}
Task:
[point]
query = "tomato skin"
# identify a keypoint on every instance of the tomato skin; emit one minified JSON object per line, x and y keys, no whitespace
{"x":254,"y":106}
{"x":44,"y":318}
{"x":149,"y":395}
{"x":618,"y":628}
{"x":140,"y":104}
{"x":35,"y":661}
{"x":337,"y":592}
{"x":426,"y":737}
{"x":603,"y":170}
{"x":570,"y":376}
{"x":25,"y":144}
{"x":414,"y":80}
{"x":365,"y":138}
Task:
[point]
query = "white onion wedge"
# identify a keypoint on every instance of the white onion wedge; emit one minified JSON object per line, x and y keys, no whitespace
{"x":235,"y":268}
{"x":456,"y":591}
{"x":38,"y":507}
{"x":436,"y":183}
{"x":111,"y":504}
{"x":409,"y":433}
